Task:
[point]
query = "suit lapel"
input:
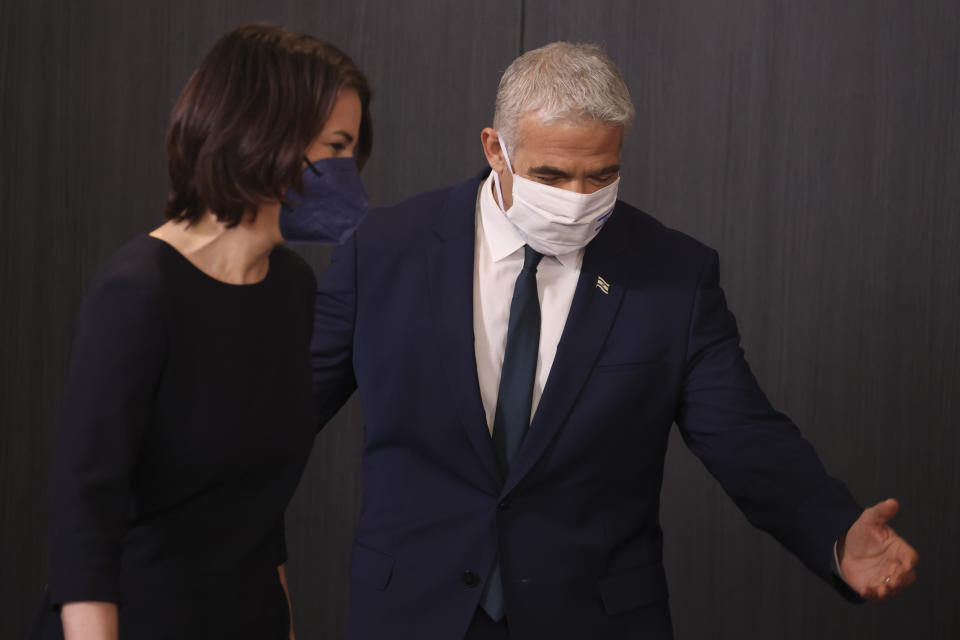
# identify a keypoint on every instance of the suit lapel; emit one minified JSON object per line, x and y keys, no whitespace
{"x":450,"y":264}
{"x":592,"y":312}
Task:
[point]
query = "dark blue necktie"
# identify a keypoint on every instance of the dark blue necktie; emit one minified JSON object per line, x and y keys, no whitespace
{"x":515,"y":396}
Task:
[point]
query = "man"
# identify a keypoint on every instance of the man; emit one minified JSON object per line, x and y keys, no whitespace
{"x":523,"y":343}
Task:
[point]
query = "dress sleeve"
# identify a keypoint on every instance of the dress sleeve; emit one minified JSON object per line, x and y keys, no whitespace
{"x":115,"y":367}
{"x":280,"y":542}
{"x":758,"y":455}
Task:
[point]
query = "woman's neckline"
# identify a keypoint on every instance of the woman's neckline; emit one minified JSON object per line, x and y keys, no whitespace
{"x":212,"y":278}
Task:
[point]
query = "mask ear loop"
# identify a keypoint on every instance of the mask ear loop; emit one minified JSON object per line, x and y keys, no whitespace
{"x":312,"y":167}
{"x":496,"y":176}
{"x":288,"y":204}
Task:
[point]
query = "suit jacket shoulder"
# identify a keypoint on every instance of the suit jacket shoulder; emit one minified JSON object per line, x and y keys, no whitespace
{"x":419,"y":219}
{"x":637,"y":249}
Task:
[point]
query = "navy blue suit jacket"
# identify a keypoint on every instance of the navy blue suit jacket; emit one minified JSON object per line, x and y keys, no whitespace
{"x":575,"y":524}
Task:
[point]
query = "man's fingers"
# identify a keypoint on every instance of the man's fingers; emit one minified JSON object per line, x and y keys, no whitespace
{"x":912,"y":558}
{"x":906,"y":579}
{"x":890,"y":583}
{"x":896,"y":585}
{"x":881,"y":591}
{"x":901,"y":579}
{"x":874,"y":594}
{"x":882,"y":512}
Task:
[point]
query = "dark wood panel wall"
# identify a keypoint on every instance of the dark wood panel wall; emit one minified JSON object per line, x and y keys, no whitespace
{"x":816,"y":145}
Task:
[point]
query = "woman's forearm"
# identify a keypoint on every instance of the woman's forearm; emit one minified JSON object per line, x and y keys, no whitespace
{"x":89,"y":621}
{"x":282,"y":572}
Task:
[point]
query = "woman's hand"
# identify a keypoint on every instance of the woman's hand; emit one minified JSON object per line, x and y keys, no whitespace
{"x":89,"y":621}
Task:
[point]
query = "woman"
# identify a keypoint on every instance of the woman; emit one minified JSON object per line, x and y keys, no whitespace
{"x":187,"y":416}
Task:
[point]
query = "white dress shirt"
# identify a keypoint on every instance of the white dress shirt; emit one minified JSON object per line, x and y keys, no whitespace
{"x":498,"y":259}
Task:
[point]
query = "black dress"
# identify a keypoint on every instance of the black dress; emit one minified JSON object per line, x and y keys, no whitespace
{"x":187,"y":421}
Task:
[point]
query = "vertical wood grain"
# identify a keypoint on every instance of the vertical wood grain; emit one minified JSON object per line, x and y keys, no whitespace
{"x":816,"y":146}
{"x":86,"y":90}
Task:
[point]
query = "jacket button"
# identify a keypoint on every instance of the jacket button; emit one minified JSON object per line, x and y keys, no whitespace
{"x":470,"y":579}
{"x":503,"y":506}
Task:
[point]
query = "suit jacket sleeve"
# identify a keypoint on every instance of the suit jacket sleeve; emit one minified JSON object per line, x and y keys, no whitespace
{"x":757,"y":454}
{"x":117,"y":359}
{"x":332,"y":346}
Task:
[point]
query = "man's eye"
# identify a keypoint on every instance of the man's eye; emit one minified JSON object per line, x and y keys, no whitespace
{"x":337,"y":146}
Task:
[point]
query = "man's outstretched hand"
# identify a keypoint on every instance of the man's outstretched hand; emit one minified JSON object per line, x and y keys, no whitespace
{"x":874,"y":560}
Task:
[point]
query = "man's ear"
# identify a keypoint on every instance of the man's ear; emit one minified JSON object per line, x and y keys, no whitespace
{"x":491,"y":149}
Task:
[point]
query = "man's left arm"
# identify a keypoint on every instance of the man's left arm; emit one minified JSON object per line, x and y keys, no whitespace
{"x":770,"y":471}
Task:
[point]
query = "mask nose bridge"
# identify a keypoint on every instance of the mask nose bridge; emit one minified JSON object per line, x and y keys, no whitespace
{"x":581,"y":183}
{"x":581,"y":186}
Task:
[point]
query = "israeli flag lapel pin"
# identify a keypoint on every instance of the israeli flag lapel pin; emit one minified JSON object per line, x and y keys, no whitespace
{"x":603,"y":285}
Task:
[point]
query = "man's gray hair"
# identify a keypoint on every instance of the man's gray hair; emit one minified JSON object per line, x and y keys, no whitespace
{"x":562,"y":81}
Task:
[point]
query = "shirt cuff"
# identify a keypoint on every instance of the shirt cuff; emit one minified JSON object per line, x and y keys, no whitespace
{"x":836,"y":562}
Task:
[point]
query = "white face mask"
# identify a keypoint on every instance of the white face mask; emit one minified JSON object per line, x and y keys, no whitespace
{"x":555,"y":221}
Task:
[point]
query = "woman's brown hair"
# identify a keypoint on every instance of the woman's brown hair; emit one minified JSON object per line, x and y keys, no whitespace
{"x":240,"y":128}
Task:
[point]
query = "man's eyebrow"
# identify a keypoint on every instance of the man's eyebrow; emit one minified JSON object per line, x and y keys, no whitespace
{"x":614,"y":168}
{"x":547,"y":170}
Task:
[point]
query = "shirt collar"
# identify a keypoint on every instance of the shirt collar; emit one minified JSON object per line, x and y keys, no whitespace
{"x":503,"y":239}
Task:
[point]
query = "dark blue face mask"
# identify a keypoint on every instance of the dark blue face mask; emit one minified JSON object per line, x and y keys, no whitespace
{"x":331,"y":206}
